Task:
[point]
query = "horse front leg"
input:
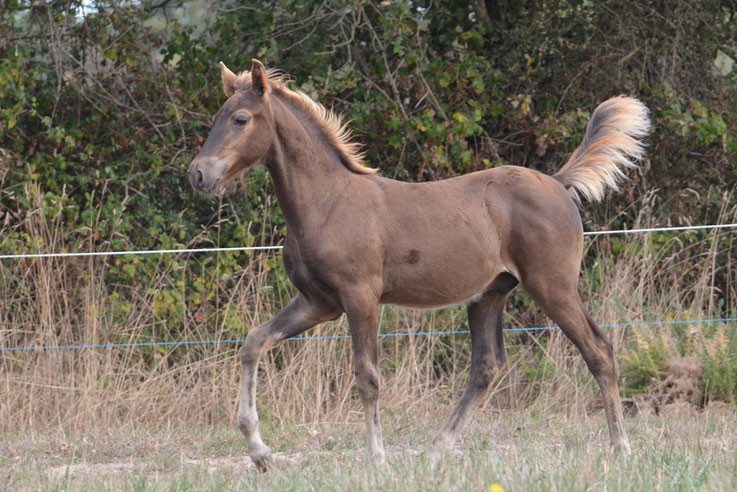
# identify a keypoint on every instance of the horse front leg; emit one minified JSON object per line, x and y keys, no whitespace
{"x":363,"y":322}
{"x":298,"y":316}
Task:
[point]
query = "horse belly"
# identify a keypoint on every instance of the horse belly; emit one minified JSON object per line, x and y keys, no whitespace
{"x":436,"y":281}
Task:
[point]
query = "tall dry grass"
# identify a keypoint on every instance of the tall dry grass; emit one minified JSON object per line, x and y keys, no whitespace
{"x":69,"y":301}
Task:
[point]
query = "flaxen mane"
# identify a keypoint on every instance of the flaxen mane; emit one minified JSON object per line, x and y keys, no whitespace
{"x":329,"y":123}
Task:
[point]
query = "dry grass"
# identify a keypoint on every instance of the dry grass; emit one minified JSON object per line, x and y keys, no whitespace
{"x":71,"y":301}
{"x":519,"y":450}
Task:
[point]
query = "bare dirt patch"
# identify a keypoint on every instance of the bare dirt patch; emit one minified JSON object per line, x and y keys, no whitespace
{"x":241,"y":463}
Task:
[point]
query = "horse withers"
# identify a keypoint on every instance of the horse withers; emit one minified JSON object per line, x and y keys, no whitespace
{"x":356,"y":240}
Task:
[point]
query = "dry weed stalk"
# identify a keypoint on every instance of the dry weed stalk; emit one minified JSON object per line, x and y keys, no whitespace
{"x":68,"y":301}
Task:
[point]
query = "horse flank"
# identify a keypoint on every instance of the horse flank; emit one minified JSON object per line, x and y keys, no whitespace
{"x":331,"y":125}
{"x":612,"y":140}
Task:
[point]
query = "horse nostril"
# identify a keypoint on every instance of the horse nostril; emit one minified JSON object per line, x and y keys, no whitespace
{"x":199,"y":179}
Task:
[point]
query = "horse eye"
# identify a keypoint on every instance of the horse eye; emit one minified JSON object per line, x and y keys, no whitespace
{"x":240,"y":120}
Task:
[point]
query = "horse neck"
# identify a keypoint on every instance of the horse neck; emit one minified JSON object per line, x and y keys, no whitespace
{"x":306,"y":171}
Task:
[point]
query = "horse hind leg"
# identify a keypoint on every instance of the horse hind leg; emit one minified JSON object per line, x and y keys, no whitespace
{"x":487,"y":359}
{"x":563,"y":305}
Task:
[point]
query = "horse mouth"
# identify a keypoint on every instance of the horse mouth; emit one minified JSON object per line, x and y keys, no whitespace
{"x":213,"y":189}
{"x":222,"y":188}
{"x":226,"y":184}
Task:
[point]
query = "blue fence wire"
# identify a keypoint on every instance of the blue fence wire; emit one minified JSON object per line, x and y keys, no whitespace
{"x":339,"y":337}
{"x":335,"y":337}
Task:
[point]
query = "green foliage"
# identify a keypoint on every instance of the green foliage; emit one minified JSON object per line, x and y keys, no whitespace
{"x":719,"y":359}
{"x":644,"y":364}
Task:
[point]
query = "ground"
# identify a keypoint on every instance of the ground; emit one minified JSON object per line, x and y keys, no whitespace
{"x":517,"y":450}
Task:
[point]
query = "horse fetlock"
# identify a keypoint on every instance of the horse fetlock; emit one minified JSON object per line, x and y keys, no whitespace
{"x":376,"y":453}
{"x":622,"y":447}
{"x":443,"y":443}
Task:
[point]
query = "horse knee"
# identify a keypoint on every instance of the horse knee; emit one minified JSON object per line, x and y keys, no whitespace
{"x":601,"y":363}
{"x":248,"y":354}
{"x":367,"y":381}
{"x":604,"y":344}
{"x":253,"y":346}
{"x":602,"y":351}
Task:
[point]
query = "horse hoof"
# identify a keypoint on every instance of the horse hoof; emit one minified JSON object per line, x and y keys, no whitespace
{"x":262,"y":460}
{"x":442,"y":447}
{"x":622,"y":449}
{"x":262,"y":466}
{"x":378,"y":458}
{"x":434,"y":457}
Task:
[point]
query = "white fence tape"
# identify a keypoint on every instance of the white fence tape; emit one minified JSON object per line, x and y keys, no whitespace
{"x":265,"y":248}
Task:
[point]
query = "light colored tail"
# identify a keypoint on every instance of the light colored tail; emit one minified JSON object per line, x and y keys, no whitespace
{"x":613,"y":139}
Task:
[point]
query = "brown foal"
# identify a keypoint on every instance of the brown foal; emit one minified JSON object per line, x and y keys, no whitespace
{"x":356,"y":240}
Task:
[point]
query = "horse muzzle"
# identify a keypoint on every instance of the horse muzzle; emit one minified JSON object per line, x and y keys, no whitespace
{"x":205,"y":174}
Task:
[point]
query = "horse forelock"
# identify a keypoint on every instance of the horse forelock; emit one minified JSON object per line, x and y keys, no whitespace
{"x":329,"y":123}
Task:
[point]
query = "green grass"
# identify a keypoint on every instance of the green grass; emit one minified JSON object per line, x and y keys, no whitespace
{"x":520,"y":451}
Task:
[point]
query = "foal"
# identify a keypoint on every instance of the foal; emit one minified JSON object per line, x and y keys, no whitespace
{"x":356,"y":240}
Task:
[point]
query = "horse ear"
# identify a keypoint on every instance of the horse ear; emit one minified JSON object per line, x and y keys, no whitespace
{"x":229,"y":80}
{"x":259,"y":78}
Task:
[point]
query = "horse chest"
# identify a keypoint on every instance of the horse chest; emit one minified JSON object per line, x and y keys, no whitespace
{"x":311,"y":274}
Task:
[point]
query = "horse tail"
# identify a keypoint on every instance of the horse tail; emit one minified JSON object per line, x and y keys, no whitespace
{"x":613,"y":139}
